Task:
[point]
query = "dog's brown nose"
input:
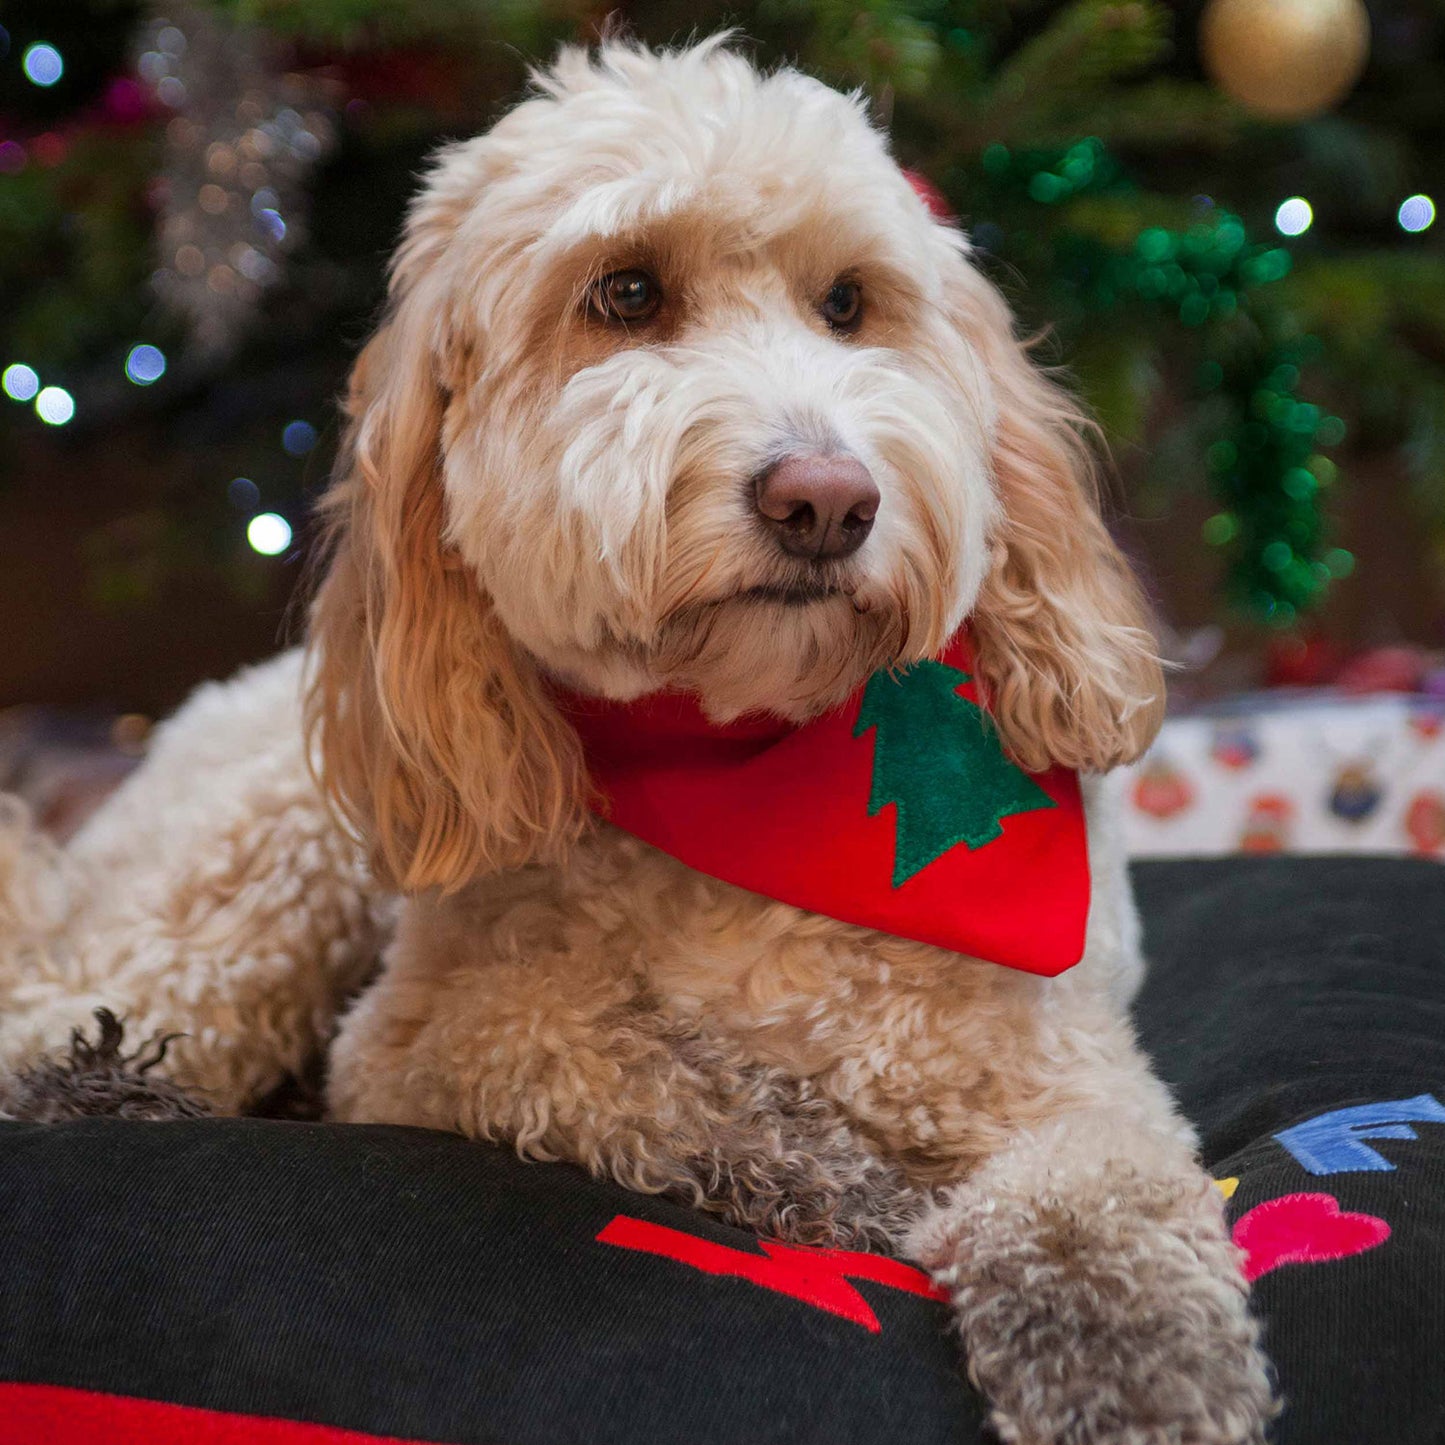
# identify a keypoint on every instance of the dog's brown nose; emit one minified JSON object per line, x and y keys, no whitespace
{"x":818,"y":507}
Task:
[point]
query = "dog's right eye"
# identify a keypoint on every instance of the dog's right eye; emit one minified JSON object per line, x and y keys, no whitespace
{"x":627,"y":297}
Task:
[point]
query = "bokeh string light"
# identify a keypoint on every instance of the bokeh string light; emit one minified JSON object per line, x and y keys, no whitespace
{"x":145,"y":364}
{"x":297,"y":438}
{"x":1294,"y":217}
{"x":1416,"y":213}
{"x":20,"y":382}
{"x":54,"y":405}
{"x":43,"y":64}
{"x":244,"y":494}
{"x":269,"y":534}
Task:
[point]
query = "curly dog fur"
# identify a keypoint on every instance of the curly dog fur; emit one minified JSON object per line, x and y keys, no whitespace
{"x":535,"y":490}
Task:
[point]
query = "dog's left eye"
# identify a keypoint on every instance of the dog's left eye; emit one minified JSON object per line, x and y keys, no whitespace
{"x":625,"y":296}
{"x":842,"y":307}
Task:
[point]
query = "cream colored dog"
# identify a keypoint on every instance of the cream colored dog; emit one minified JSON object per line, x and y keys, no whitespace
{"x":660,"y":282}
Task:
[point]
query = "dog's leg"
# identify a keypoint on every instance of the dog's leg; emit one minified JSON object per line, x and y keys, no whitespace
{"x":586,"y":1069}
{"x":1095,"y":1287}
{"x":782,"y":1160}
{"x":212,"y":897}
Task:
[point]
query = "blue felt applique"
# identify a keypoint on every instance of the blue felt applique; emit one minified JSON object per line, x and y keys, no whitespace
{"x":1333,"y":1143}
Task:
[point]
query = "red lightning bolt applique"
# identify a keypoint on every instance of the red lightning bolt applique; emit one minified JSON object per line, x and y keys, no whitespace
{"x":818,"y":1277}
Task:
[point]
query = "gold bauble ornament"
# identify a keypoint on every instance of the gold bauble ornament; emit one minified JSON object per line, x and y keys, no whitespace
{"x":1285,"y":59}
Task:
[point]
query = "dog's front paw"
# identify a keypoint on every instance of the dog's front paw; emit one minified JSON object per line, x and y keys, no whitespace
{"x":1121,"y":1320}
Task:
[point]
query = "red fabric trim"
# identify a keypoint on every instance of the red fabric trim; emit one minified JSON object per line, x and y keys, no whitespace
{"x":59,"y":1415}
{"x":1304,"y":1229}
{"x":931,"y":197}
{"x":815,"y":1276}
{"x":782,"y":810}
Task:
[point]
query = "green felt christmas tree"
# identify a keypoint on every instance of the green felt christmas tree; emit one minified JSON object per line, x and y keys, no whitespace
{"x":938,"y":759}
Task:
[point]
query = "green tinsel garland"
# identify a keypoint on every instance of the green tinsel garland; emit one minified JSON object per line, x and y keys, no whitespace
{"x":1266,"y":467}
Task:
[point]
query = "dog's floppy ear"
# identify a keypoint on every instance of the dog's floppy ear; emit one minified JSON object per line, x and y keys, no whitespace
{"x":429,"y":729}
{"x":1061,"y":627}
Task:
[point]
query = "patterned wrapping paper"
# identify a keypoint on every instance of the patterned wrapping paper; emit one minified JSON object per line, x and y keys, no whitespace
{"x":1300,"y":772}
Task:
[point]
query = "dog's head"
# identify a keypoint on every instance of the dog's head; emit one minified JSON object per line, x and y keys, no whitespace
{"x":681,"y":385}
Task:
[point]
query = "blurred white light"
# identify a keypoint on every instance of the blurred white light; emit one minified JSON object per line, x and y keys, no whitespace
{"x":20,"y":381}
{"x":1294,"y":217}
{"x":271,"y":223}
{"x":55,"y":405}
{"x":298,"y":437}
{"x":1417,"y":213}
{"x":145,"y":364}
{"x":269,"y":534}
{"x":42,"y":64}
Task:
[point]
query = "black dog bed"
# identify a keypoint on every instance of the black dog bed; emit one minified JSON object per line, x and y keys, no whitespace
{"x":300,"y":1284}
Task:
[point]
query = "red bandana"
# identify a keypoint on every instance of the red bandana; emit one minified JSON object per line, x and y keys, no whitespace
{"x":896,"y":811}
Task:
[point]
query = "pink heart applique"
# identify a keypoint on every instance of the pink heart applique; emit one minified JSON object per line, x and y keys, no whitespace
{"x":1304,"y":1229}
